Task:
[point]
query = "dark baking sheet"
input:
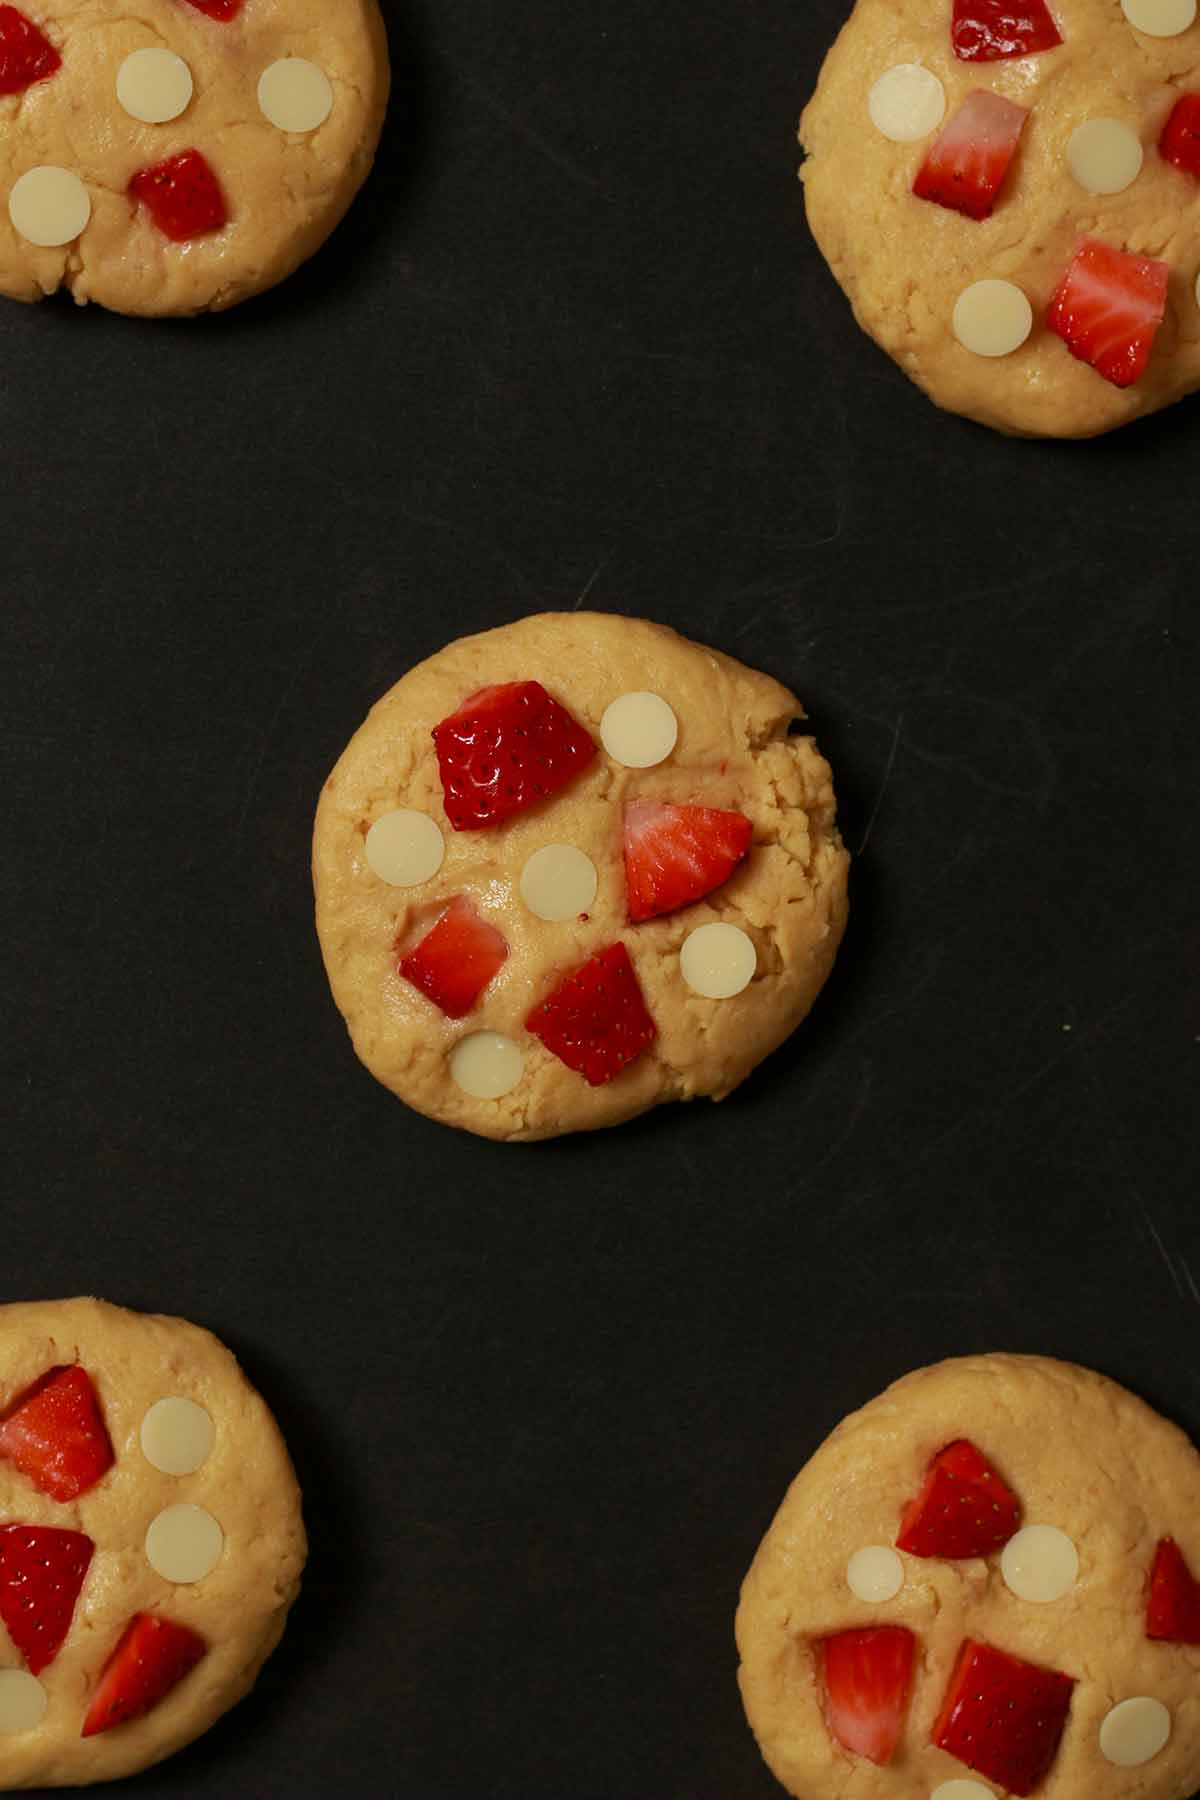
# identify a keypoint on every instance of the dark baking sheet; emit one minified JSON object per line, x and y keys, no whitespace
{"x":574,"y":346}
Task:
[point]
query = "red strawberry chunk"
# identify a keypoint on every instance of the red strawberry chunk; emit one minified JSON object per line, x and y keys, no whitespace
{"x":1003,"y":1717}
{"x":456,"y":958}
{"x":966,"y":166}
{"x":1108,"y":308}
{"x":26,"y":54}
{"x":152,"y":1657}
{"x":505,"y":749}
{"x":596,"y":1020}
{"x":222,"y":10}
{"x":867,"y":1677}
{"x":41,"y":1573}
{"x":182,"y":195}
{"x":1180,"y":140}
{"x":55,"y":1434}
{"x":677,"y":854}
{"x":963,"y":1509}
{"x":988,"y":30}
{"x":1173,"y":1610}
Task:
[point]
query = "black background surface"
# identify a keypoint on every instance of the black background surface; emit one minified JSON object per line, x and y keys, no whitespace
{"x":574,"y":345}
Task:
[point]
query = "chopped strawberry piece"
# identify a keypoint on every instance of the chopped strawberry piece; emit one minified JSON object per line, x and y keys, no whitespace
{"x":505,"y":749}
{"x":183,"y":196}
{"x":596,"y":1020}
{"x":1180,"y":140}
{"x":1003,"y":1717}
{"x":988,"y":30}
{"x":963,"y":1509}
{"x":966,"y":166}
{"x":1108,"y":308}
{"x":867,"y":1676}
{"x":55,"y":1434}
{"x":26,"y":54}
{"x":222,"y":10}
{"x":677,"y":854}
{"x":41,"y":1573}
{"x":456,"y":958}
{"x":1173,"y":1611}
{"x":152,"y":1657}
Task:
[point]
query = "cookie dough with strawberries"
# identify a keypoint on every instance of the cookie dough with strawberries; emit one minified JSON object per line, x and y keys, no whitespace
{"x":574,"y":867}
{"x":184,"y":155}
{"x":151,"y":1541}
{"x":1010,"y":197}
{"x":984,"y":1583}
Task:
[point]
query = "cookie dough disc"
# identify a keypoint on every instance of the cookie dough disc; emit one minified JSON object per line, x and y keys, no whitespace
{"x":904,"y":262}
{"x":245,"y":1484}
{"x":285,"y":187}
{"x":734,"y":751}
{"x":1083,"y":1456}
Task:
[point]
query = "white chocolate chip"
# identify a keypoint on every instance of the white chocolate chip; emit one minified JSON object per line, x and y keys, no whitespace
{"x":875,"y":1574}
{"x":639,"y":730}
{"x":184,"y":1544}
{"x":718,"y":961}
{"x":1134,"y":1731}
{"x":486,"y":1065}
{"x":295,"y":95}
{"x":177,"y":1436}
{"x":558,"y":882}
{"x":22,"y":1702}
{"x":962,"y":1790}
{"x":405,"y":848}
{"x":1160,"y":18}
{"x":1040,"y":1563}
{"x":1105,"y":156}
{"x":49,"y":206}
{"x":992,"y":318}
{"x":154,"y":86}
{"x":907,"y":103}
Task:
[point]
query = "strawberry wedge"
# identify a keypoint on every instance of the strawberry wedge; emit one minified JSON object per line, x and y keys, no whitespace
{"x":966,"y":166}
{"x":990,"y":30}
{"x":1173,"y":1611}
{"x":152,"y":1657}
{"x":1180,"y":140}
{"x":596,"y":1020}
{"x":1108,"y":308}
{"x":677,"y":854}
{"x":26,"y":54}
{"x":507,"y":748}
{"x":964,"y":1509}
{"x":55,"y":1434}
{"x":456,"y":958}
{"x":867,"y":1676}
{"x":1003,"y":1717}
{"x":42,"y":1569}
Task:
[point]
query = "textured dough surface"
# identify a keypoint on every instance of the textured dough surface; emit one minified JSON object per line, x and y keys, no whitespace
{"x":733,"y":752}
{"x":903,"y":262}
{"x":1081,"y":1453}
{"x":247,"y":1484}
{"x":284,"y":192}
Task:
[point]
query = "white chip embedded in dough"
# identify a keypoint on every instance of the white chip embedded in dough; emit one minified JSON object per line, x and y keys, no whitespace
{"x":49,"y":206}
{"x":992,"y":318}
{"x":154,"y":85}
{"x":184,"y":1543}
{"x":907,"y":103}
{"x":1105,"y":156}
{"x":962,"y":1790}
{"x":875,"y":1574}
{"x":22,"y":1701}
{"x":1160,"y":18}
{"x":1134,"y":1731}
{"x":177,"y":1436}
{"x":1040,"y":1563}
{"x":295,"y":94}
{"x":486,"y":1065}
{"x":558,"y":882}
{"x":639,"y":730}
{"x":718,"y":961}
{"x":405,"y":848}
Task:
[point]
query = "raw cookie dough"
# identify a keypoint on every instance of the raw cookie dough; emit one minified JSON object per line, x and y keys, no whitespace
{"x":734,"y":751}
{"x":244,"y":1479}
{"x":1083,"y":1456}
{"x":904,"y":262}
{"x":283,"y":191}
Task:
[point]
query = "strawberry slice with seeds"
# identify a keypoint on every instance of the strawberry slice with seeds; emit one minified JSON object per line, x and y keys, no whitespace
{"x":596,"y":1020}
{"x":221,"y":10}
{"x":1180,"y":140}
{"x":55,"y":1434}
{"x":1003,"y":1717}
{"x":1173,"y":1610}
{"x":966,"y":166}
{"x":867,"y":1677}
{"x":677,"y":854}
{"x":456,"y":958}
{"x":182,"y":196}
{"x":989,"y":30}
{"x":152,"y":1657}
{"x":41,"y":1572}
{"x":26,"y":54}
{"x":1108,"y":308}
{"x":963,"y":1508}
{"x":506,"y":748}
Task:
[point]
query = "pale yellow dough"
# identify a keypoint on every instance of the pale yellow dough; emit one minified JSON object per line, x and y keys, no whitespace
{"x":734,"y":751}
{"x":1083,"y":1455}
{"x":284,"y":192}
{"x":904,"y":262}
{"x":246,"y":1483}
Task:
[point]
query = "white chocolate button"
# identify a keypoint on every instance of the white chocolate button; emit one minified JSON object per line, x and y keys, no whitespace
{"x":1160,"y":18}
{"x":1040,"y":1563}
{"x":875,"y":1574}
{"x":405,"y":848}
{"x":184,"y":1543}
{"x":962,"y":1790}
{"x":1134,"y":1731}
{"x":22,"y":1701}
{"x":718,"y":961}
{"x":154,"y":86}
{"x":639,"y":730}
{"x":177,"y":1436}
{"x":907,"y":103}
{"x":558,"y":882}
{"x":1105,"y":156}
{"x":49,"y":206}
{"x":295,"y":94}
{"x":486,"y":1065}
{"x":992,"y":318}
